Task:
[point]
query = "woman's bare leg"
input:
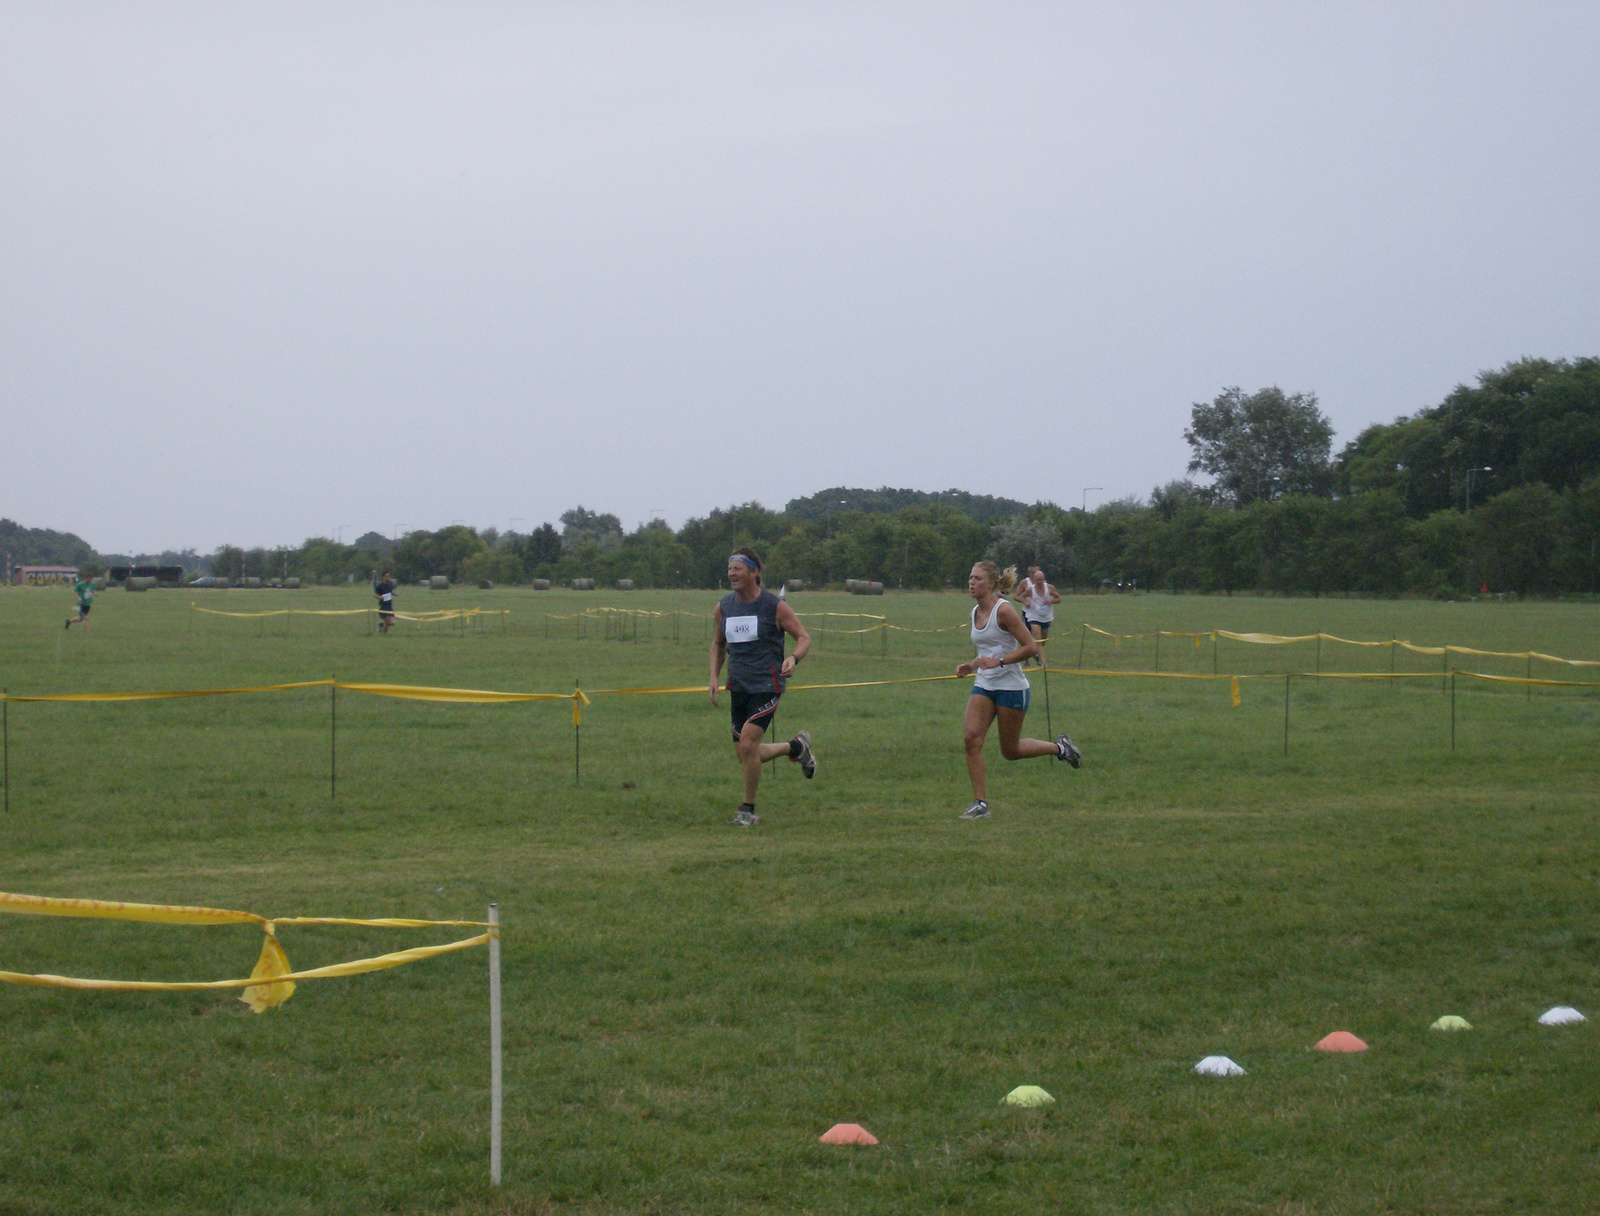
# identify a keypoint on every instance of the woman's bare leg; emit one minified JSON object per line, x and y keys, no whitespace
{"x":980,"y":712}
{"x":1012,"y":747}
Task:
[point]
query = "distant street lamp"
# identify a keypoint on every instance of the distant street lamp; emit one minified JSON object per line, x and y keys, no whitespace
{"x":1086,"y":489}
{"x":338,"y":534}
{"x":1482,"y":468}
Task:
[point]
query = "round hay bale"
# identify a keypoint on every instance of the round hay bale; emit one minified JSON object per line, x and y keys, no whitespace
{"x":291,"y":584}
{"x":624,"y":584}
{"x":583,"y":584}
{"x":485,"y":585}
{"x":276,"y":584}
{"x":853,"y":586}
{"x":873,"y":589}
{"x":794,"y":584}
{"x":99,"y":583}
{"x":252,"y":582}
{"x":139,"y":584}
{"x":541,"y":584}
{"x":440,"y":582}
{"x":205,"y":580}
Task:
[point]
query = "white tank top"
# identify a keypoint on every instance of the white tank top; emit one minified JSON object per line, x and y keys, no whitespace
{"x":1039,"y":606}
{"x":994,"y":642}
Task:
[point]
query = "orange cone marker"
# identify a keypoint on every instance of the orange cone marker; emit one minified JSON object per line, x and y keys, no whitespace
{"x":1341,"y":1040}
{"x":847,"y":1133}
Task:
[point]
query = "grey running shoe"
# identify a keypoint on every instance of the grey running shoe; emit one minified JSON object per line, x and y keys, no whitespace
{"x":1066,"y":751}
{"x":978,"y":810}
{"x":745,"y":819}
{"x":808,"y":762}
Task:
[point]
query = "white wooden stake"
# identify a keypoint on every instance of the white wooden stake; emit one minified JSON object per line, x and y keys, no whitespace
{"x":496,"y":1089}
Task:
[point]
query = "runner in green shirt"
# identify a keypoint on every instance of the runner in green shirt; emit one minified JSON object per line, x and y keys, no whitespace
{"x":84,"y":589}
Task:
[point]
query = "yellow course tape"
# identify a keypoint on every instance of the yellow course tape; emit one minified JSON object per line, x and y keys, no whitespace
{"x":259,"y":995}
{"x":270,"y":983}
{"x":579,"y":698}
{"x":442,"y":614}
{"x":286,"y":612}
{"x":170,"y":695}
{"x":1524,"y":680}
{"x":459,"y":696}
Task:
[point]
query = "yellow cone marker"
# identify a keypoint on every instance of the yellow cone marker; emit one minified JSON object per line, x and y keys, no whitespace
{"x":1029,"y":1097}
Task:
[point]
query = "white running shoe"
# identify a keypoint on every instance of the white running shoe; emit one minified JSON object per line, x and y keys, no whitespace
{"x":978,"y":810}
{"x":807,"y":762}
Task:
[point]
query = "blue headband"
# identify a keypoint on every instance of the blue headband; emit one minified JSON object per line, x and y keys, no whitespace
{"x":740,"y":557}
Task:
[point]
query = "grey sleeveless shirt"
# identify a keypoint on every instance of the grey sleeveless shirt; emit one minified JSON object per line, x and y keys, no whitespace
{"x":755,"y":643}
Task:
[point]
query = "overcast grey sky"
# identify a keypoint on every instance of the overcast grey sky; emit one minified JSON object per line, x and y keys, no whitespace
{"x":269,"y":270}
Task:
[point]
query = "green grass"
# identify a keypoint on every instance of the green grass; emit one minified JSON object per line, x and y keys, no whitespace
{"x":689,"y":1006}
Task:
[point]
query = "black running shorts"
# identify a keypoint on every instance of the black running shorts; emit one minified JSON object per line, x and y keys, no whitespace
{"x":757,"y":707}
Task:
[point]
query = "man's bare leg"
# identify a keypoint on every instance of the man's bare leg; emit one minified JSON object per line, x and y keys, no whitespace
{"x":752,"y":754}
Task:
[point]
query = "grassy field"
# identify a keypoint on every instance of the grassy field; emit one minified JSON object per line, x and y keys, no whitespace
{"x":689,"y":1005}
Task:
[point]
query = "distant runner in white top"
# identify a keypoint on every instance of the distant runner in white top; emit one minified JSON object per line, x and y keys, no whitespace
{"x":1038,"y":599}
{"x":1000,"y":689}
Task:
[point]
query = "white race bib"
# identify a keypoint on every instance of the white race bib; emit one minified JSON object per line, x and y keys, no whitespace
{"x":740,"y":628}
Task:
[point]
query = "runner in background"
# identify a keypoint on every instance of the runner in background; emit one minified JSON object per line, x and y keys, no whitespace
{"x":84,"y":590}
{"x":747,"y":630}
{"x":1000,"y":690}
{"x":384,"y":590}
{"x":1038,"y":600}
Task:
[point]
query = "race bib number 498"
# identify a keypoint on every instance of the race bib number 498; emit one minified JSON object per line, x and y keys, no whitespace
{"x":740,"y":628}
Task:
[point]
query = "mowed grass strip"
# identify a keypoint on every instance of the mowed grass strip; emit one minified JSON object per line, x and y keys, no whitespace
{"x":689,"y":1006}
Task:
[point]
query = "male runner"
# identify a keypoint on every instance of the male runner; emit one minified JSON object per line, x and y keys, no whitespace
{"x":747,"y":629}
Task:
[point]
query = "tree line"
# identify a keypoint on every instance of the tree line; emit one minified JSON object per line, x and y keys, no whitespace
{"x":1496,"y":487}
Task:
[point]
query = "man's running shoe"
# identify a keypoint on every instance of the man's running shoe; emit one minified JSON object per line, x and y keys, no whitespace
{"x":745,"y":819}
{"x":1066,"y":751}
{"x":978,"y":810}
{"x":808,"y":762}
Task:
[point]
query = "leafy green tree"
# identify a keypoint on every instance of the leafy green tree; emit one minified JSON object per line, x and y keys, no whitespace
{"x":1365,"y":539}
{"x":816,"y":507}
{"x":44,"y":547}
{"x":540,"y":548}
{"x":1024,"y":542}
{"x":1439,"y":557}
{"x":1532,"y":420}
{"x":1519,"y":539}
{"x":1261,"y":445}
{"x":1582,"y":526}
{"x":1405,"y":458}
{"x":423,"y":554}
{"x":499,"y":566}
{"x":581,"y":526}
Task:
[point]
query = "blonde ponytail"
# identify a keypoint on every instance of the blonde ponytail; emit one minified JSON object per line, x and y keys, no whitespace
{"x":1003,"y":580}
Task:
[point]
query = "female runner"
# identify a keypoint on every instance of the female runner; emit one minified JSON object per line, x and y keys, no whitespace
{"x":1000,"y":690}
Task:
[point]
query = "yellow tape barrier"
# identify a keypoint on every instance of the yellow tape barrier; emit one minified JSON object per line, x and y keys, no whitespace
{"x":167,"y":695}
{"x":270,"y":983}
{"x":579,"y":698}
{"x":422,"y":618}
{"x":599,"y":612}
{"x":1197,"y":637}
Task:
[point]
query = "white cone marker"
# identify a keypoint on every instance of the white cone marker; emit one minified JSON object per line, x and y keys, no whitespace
{"x":1561,"y":1015}
{"x":1218,"y":1066}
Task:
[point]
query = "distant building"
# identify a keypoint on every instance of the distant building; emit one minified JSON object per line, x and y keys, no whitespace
{"x":44,"y":576}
